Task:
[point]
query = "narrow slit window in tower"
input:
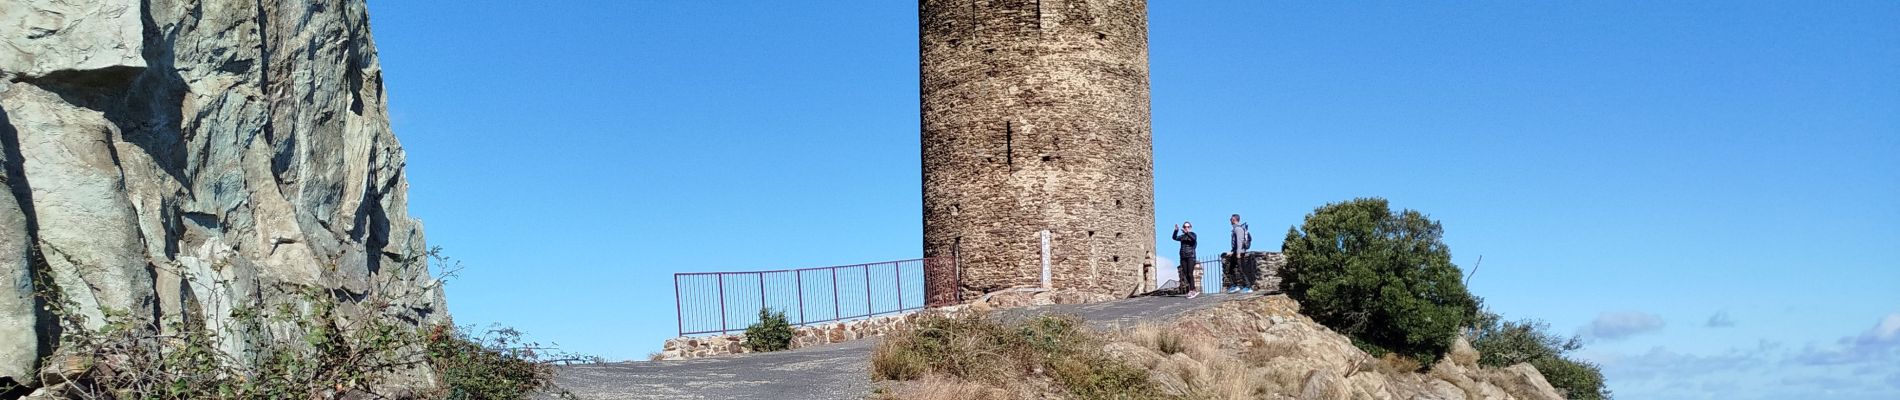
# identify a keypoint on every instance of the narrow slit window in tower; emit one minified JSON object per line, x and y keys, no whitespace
{"x":1009,"y":146}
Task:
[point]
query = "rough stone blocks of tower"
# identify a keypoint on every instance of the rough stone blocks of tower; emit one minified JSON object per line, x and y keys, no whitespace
{"x":1036,"y":117}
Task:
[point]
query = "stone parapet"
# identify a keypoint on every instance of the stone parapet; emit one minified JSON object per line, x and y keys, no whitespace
{"x":1269,"y":264}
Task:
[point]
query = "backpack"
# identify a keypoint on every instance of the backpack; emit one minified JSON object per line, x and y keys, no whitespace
{"x":1246,"y":238}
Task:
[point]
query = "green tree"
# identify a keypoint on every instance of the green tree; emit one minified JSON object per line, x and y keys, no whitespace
{"x":1383,"y":278}
{"x":1507,"y":343}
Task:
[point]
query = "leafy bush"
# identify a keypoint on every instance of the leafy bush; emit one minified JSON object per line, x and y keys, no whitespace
{"x":773,"y":332}
{"x":497,"y":365}
{"x":1383,"y":278}
{"x":1506,"y":343}
{"x":307,"y":345}
{"x":972,"y":348}
{"x":303,"y":349}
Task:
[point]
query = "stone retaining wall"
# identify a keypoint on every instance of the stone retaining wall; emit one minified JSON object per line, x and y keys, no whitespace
{"x":686,"y":347}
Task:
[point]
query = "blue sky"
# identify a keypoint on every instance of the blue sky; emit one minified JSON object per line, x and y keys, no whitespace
{"x":1709,"y":191}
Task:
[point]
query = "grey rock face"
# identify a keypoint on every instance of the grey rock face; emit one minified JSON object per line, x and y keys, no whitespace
{"x":172,"y":159}
{"x":17,"y":317}
{"x":50,"y":36}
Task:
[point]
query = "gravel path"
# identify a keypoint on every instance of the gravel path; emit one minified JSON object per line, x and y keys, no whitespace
{"x":833,"y":371}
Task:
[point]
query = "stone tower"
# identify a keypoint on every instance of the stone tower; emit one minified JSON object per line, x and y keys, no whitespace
{"x":1035,"y":118}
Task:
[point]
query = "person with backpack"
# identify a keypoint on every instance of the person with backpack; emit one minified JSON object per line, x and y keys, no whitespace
{"x":1248,"y":273}
{"x":1184,"y":233}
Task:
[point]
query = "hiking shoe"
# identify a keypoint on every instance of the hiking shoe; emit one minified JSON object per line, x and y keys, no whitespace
{"x":1230,"y":290}
{"x":1194,"y":294}
{"x":1246,"y":290}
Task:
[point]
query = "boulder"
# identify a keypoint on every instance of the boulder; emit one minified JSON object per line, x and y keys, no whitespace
{"x":1462,"y":353}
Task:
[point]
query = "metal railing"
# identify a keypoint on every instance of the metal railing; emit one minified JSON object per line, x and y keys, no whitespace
{"x":1210,"y":272}
{"x":720,"y":302}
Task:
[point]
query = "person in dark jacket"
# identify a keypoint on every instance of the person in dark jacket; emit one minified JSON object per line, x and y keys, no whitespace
{"x":1247,"y":273}
{"x":1184,"y":233}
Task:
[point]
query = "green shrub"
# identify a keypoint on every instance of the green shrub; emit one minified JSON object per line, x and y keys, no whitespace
{"x":496,"y":365}
{"x":1383,"y":278}
{"x":1506,"y":343}
{"x":773,"y":332}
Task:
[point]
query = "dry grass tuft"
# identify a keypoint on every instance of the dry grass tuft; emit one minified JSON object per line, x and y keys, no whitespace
{"x":1213,"y":378}
{"x":890,"y":362}
{"x":1024,"y":358}
{"x":1264,"y":354}
{"x":1154,"y":337}
{"x":1194,"y":366}
{"x":1392,"y":364}
{"x":938,"y":387}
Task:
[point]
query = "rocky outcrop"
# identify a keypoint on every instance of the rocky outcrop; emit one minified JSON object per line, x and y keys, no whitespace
{"x":173,"y":160}
{"x":1262,"y":347}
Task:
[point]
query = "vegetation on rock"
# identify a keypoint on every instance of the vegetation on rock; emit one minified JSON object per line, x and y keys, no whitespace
{"x":309,"y":343}
{"x":1251,"y":347}
{"x":496,"y":365}
{"x":1505,"y":343}
{"x":335,"y":358}
{"x":1383,"y":278}
{"x":1048,"y":354}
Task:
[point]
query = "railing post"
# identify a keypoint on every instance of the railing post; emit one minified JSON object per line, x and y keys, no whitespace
{"x":799,"y":275}
{"x":762,"y":292}
{"x":898,"y":268}
{"x":722,"y":303}
{"x":835,"y":310}
{"x":867,"y":290}
{"x":678,"y":305}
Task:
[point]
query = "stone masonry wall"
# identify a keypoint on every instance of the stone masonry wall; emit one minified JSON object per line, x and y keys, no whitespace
{"x":1270,"y":264}
{"x":687,"y":347}
{"x":1036,"y":117}
{"x":1267,"y":274}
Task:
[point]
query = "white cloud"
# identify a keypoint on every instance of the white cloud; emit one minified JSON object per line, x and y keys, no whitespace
{"x":1885,"y":333}
{"x":1661,"y":362}
{"x":1720,"y":320}
{"x":1865,"y":365}
{"x":1621,"y":324}
{"x":1879,"y":345}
